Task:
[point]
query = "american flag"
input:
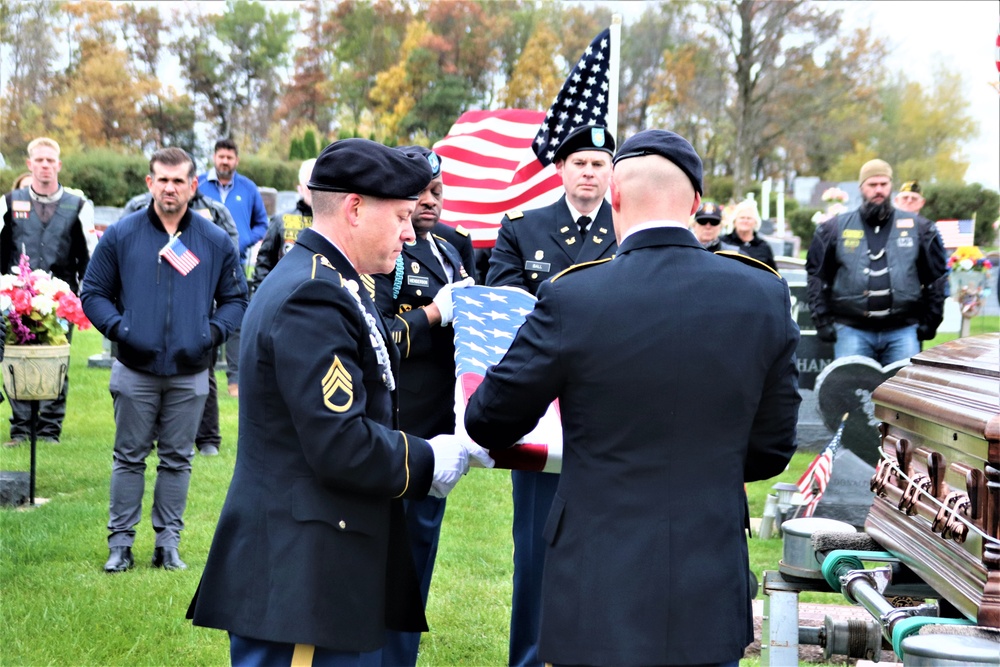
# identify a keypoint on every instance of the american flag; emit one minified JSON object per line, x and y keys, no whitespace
{"x":814,"y":480}
{"x":496,"y":161}
{"x":179,"y":256}
{"x":957,"y":233}
{"x":486,"y":321}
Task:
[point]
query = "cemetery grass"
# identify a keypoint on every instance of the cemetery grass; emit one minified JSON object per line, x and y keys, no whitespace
{"x":58,"y":607}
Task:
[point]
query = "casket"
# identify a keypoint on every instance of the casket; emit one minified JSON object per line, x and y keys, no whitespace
{"x":937,"y":485}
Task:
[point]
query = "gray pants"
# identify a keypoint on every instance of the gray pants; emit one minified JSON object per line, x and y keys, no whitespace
{"x":148,"y":406}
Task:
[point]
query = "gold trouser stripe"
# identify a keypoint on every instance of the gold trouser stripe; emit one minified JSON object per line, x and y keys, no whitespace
{"x":303,"y":655}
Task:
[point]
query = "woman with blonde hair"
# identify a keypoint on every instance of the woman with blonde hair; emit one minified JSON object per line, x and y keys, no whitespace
{"x":746,"y":222}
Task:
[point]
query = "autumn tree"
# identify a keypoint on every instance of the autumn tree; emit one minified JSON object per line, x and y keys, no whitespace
{"x":369,"y":41}
{"x":919,"y":131}
{"x":28,"y":33}
{"x":768,"y":43}
{"x":535,"y":80}
{"x":105,"y":90}
{"x":311,"y":95}
{"x":232,"y":63}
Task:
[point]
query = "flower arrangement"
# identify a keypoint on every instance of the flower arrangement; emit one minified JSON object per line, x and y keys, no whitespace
{"x":38,"y":307}
{"x":834,"y":196}
{"x":969,"y":258}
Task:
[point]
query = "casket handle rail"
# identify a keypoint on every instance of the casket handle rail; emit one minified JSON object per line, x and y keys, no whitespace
{"x":954,"y":516}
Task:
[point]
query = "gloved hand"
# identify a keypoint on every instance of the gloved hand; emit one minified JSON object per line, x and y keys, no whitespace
{"x":827,"y":333}
{"x":451,"y":461}
{"x":926,"y":332}
{"x":445,"y":302}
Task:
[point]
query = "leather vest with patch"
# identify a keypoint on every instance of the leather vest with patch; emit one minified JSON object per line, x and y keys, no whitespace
{"x":46,"y":244}
{"x":851,"y":284}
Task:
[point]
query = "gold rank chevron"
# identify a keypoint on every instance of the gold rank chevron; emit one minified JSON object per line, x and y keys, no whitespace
{"x":369,"y":283}
{"x":337,"y":378}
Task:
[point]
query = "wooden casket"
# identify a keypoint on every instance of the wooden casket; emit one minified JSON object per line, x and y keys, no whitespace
{"x":937,"y":485}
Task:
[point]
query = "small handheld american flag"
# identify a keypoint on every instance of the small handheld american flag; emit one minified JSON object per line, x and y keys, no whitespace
{"x":814,"y":480}
{"x":179,"y":256}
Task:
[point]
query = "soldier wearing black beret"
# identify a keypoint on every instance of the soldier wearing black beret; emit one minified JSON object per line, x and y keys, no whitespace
{"x":631,"y":356}
{"x":310,"y":557}
{"x":531,"y":247}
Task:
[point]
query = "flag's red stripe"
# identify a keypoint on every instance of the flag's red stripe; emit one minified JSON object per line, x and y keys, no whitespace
{"x":521,"y":457}
{"x":501,"y":206}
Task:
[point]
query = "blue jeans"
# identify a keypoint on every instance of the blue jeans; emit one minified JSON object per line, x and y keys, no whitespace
{"x":884,"y":347}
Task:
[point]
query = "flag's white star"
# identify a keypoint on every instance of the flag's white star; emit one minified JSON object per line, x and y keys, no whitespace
{"x":472,"y":316}
{"x":523,"y":312}
{"x":576,"y":77}
{"x":499,"y":351}
{"x":600,"y":98}
{"x":549,"y":155}
{"x":499,"y":333}
{"x":478,"y":364}
{"x":494,"y":296}
{"x":475,"y":348}
{"x":595,"y":68}
{"x":599,"y":56}
{"x":589,"y":51}
{"x":591,"y":80}
{"x":559,"y":129}
{"x":578,"y":118}
{"x":604,"y":86}
{"x":475,"y":332}
{"x":581,"y":105}
{"x":563,"y":115}
{"x":497,"y":315}
{"x":572,"y":90}
{"x":604,"y":44}
{"x":586,"y":93}
{"x":469,"y":300}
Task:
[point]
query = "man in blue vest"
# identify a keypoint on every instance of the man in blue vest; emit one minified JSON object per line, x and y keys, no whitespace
{"x":55,"y":229}
{"x":876,"y":275}
{"x":242,"y":198}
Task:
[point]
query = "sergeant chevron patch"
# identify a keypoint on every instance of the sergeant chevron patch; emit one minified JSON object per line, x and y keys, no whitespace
{"x":337,"y":378}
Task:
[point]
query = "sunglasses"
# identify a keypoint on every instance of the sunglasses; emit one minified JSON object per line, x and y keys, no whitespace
{"x":709,"y":221}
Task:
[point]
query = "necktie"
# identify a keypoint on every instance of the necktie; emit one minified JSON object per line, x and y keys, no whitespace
{"x":582,"y":224}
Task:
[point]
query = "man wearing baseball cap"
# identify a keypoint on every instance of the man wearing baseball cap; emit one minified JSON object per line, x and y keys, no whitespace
{"x":531,"y":247}
{"x":876,"y":275}
{"x":310,"y":563}
{"x":634,"y":576}
{"x":909,"y":198}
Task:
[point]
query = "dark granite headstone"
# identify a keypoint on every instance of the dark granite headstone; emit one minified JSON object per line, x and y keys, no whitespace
{"x":846,"y":386}
{"x":14,"y":488}
{"x":812,"y":356}
{"x":848,"y":495}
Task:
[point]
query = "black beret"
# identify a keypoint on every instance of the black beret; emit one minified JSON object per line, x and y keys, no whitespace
{"x":708,"y":211}
{"x":368,"y":168}
{"x":585,"y":138}
{"x":432,"y":158}
{"x":668,"y":145}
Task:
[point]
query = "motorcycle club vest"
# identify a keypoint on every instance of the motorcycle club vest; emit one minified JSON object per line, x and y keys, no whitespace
{"x":857,"y":283}
{"x":45,"y":243}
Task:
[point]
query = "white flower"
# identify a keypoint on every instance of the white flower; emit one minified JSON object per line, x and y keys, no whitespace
{"x":43,"y":304}
{"x":966,"y":264}
{"x":4,"y":303}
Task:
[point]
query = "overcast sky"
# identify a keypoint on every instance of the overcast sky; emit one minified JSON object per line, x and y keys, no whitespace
{"x":961,"y":35}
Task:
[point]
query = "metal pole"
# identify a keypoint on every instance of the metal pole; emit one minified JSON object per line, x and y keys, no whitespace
{"x":33,"y":434}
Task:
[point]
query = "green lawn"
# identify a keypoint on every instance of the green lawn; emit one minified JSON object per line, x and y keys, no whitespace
{"x":57,"y":606}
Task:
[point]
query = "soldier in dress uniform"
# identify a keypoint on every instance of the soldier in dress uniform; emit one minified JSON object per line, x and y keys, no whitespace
{"x":311,"y":563}
{"x":415,"y":300}
{"x":532,"y":247}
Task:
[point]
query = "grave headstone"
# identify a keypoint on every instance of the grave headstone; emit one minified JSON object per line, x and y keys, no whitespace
{"x":846,"y":386}
{"x":848,"y":495}
{"x":14,"y":488}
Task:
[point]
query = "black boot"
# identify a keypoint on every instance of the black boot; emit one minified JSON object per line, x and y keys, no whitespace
{"x":119,"y":560}
{"x":168,"y":558}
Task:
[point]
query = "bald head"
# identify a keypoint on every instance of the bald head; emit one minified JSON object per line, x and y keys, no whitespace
{"x":650,"y":187}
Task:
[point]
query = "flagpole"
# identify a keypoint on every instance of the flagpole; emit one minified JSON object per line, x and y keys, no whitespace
{"x":614,"y":65}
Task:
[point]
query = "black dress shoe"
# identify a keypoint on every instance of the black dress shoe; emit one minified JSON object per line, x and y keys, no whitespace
{"x":119,"y":560}
{"x":168,"y":559}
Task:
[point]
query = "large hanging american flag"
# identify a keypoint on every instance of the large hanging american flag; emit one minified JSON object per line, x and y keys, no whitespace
{"x":496,"y":161}
{"x":814,"y":480}
{"x":486,"y":321}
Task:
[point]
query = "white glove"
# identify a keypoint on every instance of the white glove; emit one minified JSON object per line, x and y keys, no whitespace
{"x":451,"y":461}
{"x":445,"y":303}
